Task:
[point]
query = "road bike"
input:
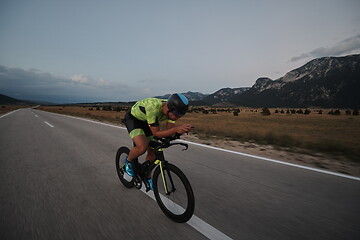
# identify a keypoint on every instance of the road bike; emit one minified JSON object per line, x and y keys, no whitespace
{"x":172,"y":189}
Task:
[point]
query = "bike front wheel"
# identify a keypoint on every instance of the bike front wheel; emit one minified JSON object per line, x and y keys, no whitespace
{"x":173,"y":193}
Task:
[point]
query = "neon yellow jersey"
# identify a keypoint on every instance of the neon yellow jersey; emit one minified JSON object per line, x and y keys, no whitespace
{"x":150,"y":110}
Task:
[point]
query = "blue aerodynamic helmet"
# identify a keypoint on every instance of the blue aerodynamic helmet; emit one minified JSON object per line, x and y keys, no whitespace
{"x":178,"y":104}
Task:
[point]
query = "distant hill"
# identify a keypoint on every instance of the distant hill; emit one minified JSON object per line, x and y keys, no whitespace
{"x":191,"y":96}
{"x":5,"y":100}
{"x":224,"y":95}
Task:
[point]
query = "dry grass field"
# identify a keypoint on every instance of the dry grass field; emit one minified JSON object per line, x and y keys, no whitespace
{"x":338,"y":135}
{"x":325,"y":133}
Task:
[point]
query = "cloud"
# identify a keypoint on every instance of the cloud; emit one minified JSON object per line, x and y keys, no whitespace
{"x":344,"y":47}
{"x":79,"y":78}
{"x":34,"y":84}
{"x":103,"y":82}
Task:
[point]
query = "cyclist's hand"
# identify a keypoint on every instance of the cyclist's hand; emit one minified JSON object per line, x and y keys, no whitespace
{"x":183,"y":128}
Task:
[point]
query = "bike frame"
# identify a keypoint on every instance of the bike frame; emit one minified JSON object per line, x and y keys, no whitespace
{"x":160,"y":161}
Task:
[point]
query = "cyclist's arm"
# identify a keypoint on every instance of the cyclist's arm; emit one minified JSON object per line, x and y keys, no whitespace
{"x":169,"y":132}
{"x":170,"y":125}
{"x":163,"y":133}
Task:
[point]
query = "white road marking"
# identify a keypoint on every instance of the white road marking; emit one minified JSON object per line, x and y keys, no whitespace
{"x":6,"y":114}
{"x":87,"y":120}
{"x":195,"y":222}
{"x":48,"y":124}
{"x":276,"y":161}
{"x":35,"y":114}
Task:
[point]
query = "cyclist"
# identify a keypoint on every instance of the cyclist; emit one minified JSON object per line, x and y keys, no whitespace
{"x":142,"y":123}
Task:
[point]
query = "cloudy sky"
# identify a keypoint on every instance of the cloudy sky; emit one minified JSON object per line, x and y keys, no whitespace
{"x":124,"y":50}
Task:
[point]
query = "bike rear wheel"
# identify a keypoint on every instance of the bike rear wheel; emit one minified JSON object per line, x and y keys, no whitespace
{"x":125,"y":179}
{"x":173,"y":193}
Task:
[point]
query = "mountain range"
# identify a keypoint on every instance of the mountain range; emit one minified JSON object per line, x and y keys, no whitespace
{"x":332,"y":82}
{"x":323,"y":82}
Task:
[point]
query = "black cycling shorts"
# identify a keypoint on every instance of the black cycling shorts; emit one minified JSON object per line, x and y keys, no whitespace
{"x":136,"y":127}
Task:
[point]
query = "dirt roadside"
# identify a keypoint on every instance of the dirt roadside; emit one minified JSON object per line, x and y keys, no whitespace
{"x":316,"y":160}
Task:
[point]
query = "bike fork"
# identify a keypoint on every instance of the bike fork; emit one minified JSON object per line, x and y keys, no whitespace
{"x":164,"y":180}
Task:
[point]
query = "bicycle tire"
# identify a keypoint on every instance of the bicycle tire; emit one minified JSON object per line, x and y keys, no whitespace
{"x":121,"y":153}
{"x":169,"y":203}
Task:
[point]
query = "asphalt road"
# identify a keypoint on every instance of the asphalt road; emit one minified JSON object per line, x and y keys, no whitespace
{"x":58,"y":181}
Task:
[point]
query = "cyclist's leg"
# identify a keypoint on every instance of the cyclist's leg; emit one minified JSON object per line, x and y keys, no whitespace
{"x":150,"y":155}
{"x":150,"y":152}
{"x":141,"y":145}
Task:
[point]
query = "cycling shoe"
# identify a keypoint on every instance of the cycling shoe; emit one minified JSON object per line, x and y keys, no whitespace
{"x":129,"y":168}
{"x":149,"y":181}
